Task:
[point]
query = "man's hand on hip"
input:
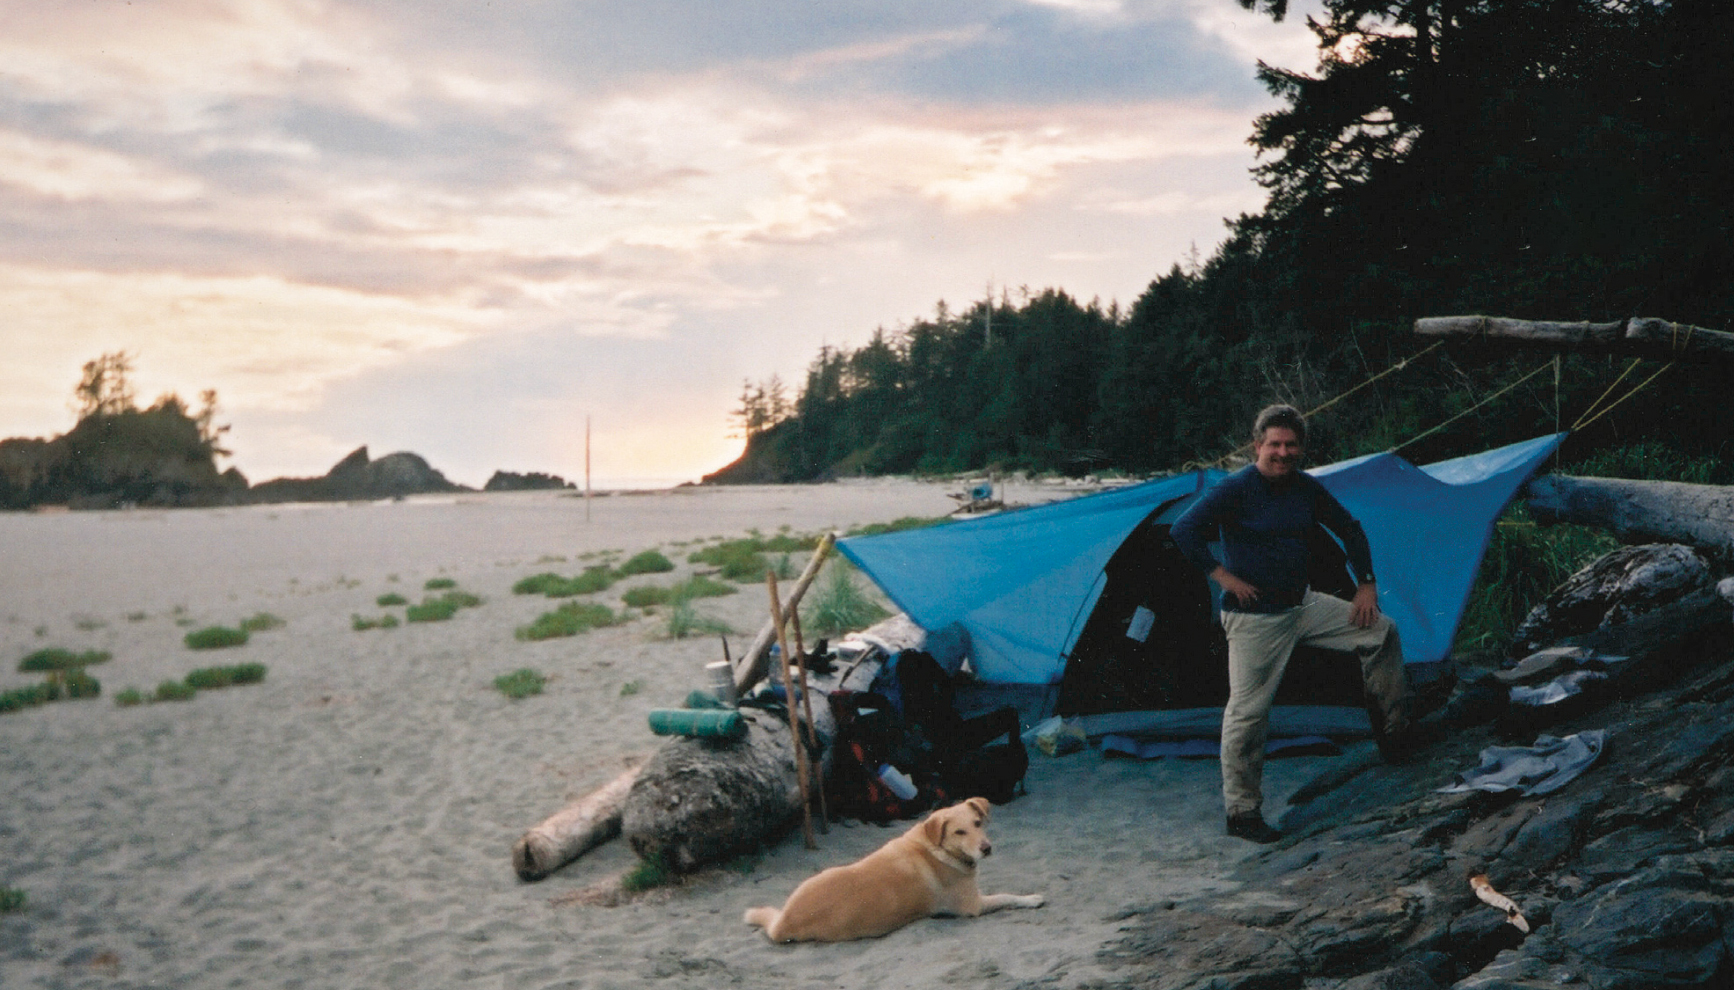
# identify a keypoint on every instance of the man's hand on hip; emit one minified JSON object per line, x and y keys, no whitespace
{"x":1364,"y":607}
{"x":1243,"y":593}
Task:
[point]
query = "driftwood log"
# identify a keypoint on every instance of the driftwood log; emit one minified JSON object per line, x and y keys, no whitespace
{"x":1628,"y":602}
{"x":573,"y":831}
{"x":1638,"y":337}
{"x":701,"y":801}
{"x":1700,"y":516}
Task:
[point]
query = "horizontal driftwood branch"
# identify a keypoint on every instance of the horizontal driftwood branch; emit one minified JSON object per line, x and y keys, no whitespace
{"x":1700,"y":516}
{"x":1639,"y":337}
{"x":574,"y":830}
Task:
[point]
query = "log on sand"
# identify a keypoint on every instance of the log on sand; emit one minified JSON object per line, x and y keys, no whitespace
{"x":702,"y":801}
{"x":1700,"y":516}
{"x":573,"y":831}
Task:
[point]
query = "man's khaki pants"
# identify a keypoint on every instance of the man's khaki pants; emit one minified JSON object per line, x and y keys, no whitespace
{"x":1259,"y":646}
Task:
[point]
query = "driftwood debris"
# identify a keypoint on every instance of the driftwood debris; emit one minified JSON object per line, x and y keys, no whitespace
{"x":1638,"y":337}
{"x":573,"y":831}
{"x":1627,"y":602}
{"x":1701,"y":516}
{"x":754,"y":664}
{"x":802,"y":777}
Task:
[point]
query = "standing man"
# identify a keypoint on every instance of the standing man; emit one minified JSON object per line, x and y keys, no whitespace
{"x":1263,"y":515}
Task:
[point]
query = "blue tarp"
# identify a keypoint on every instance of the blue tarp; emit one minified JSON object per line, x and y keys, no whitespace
{"x":1023,"y":582}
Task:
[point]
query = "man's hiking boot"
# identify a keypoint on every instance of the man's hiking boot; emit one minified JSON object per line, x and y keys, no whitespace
{"x":1250,"y":825}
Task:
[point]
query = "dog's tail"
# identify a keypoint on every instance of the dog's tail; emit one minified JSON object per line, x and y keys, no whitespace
{"x":763,"y":917}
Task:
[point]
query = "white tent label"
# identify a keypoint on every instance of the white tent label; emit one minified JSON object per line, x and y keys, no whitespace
{"x":1139,"y":628}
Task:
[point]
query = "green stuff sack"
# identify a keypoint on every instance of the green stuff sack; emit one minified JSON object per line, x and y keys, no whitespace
{"x":703,"y":724}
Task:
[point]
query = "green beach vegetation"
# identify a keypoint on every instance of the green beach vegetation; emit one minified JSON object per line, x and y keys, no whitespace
{"x":598,"y":577}
{"x":442,"y":607}
{"x":839,"y":605}
{"x":261,"y":621}
{"x":389,"y":599}
{"x":362,"y":623}
{"x":570,"y":619}
{"x":215,"y":638}
{"x":646,"y":562}
{"x":54,"y":658}
{"x":438,"y":584}
{"x":520,"y":683}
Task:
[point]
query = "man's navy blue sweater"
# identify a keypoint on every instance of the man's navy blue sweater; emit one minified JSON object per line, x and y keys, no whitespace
{"x":1264,"y":526}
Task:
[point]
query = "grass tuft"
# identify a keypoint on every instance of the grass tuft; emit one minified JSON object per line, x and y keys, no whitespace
{"x":439,"y":584}
{"x":362,"y":623}
{"x":174,"y":691}
{"x":597,"y":577}
{"x":684,"y":621}
{"x":647,"y":875}
{"x":261,"y":621}
{"x":129,"y":697}
{"x":18,"y":699}
{"x":215,"y":638}
{"x":12,"y":899}
{"x":1523,"y":564}
{"x":648,"y":562}
{"x":55,"y":658}
{"x":81,"y":685}
{"x":840,"y":605}
{"x":647,"y":596}
{"x":389,"y":599}
{"x":569,"y":619}
{"x":520,"y":683}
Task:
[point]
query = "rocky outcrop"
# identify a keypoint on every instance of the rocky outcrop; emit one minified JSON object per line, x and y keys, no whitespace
{"x":510,"y":481}
{"x":1626,"y":874}
{"x":357,"y":477}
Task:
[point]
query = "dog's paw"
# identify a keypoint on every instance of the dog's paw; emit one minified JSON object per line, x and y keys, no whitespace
{"x":1032,"y":901}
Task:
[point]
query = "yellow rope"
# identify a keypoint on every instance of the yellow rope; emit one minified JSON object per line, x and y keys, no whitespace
{"x":1606,"y":392}
{"x":1635,"y":390}
{"x":1399,"y":366}
{"x":1476,"y":406}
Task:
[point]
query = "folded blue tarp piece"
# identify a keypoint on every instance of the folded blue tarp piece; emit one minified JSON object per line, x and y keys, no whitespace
{"x":1198,"y":749}
{"x":1530,"y":770}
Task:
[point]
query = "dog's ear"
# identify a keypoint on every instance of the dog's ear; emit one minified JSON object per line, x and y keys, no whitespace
{"x":933,"y":829}
{"x":980,"y":806}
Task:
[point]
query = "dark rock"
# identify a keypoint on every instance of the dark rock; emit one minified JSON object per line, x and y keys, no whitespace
{"x":1549,"y":835}
{"x":1619,"y":853}
{"x":1185,"y":949}
{"x":1661,"y":926}
{"x":358,"y":477}
{"x":1421,"y":971}
{"x":509,"y":481}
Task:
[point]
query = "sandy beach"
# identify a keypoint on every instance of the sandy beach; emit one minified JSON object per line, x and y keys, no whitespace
{"x":348,"y":822}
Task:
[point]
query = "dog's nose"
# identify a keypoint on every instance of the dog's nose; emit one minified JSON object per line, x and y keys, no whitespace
{"x":987,"y":849}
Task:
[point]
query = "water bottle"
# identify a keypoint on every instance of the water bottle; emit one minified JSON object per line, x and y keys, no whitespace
{"x":898,"y":781}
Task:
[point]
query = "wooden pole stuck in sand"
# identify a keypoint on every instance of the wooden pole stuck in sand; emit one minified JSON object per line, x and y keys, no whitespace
{"x":754,"y":664}
{"x":807,"y":707}
{"x":795,"y":740}
{"x":574,"y":830}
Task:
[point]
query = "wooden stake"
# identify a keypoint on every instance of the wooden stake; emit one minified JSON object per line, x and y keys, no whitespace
{"x":754,"y":664}
{"x":794,"y":719}
{"x":807,"y":706}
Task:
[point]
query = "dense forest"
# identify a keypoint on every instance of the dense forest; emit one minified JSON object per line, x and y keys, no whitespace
{"x":1541,"y":159}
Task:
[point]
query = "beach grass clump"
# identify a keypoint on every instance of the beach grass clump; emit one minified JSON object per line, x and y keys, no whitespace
{"x":685,"y":621}
{"x":735,"y":560}
{"x":897,"y":525}
{"x":432,"y":610}
{"x":54,"y":658}
{"x":174,"y":691}
{"x":1523,"y":564}
{"x":210,"y":678}
{"x":648,"y":562}
{"x":129,"y":697}
{"x":703,"y":586}
{"x":389,"y":599}
{"x":569,"y":619}
{"x":79,"y":684}
{"x":216,"y":638}
{"x":520,"y":683}
{"x":19,"y":699}
{"x":647,"y":875}
{"x":597,"y":577}
{"x":647,"y":596}
{"x":631,"y":688}
{"x":840,"y":605}
{"x":261,"y":621}
{"x":438,"y":584}
{"x":362,"y":623}
{"x":12,"y":899}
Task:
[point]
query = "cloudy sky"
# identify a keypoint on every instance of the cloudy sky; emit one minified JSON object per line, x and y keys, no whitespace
{"x":458,"y":227}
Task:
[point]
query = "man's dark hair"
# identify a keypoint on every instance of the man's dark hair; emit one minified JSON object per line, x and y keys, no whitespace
{"x":1279,"y":415}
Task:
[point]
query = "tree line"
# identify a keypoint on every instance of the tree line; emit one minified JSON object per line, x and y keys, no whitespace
{"x":1543,"y":159}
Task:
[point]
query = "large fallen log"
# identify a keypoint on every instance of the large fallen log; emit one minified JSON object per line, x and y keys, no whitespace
{"x":1638,"y":337}
{"x":1700,"y":516}
{"x":573,"y":831}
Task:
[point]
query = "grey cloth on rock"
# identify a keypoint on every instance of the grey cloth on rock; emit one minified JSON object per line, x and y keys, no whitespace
{"x":1539,"y":769}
